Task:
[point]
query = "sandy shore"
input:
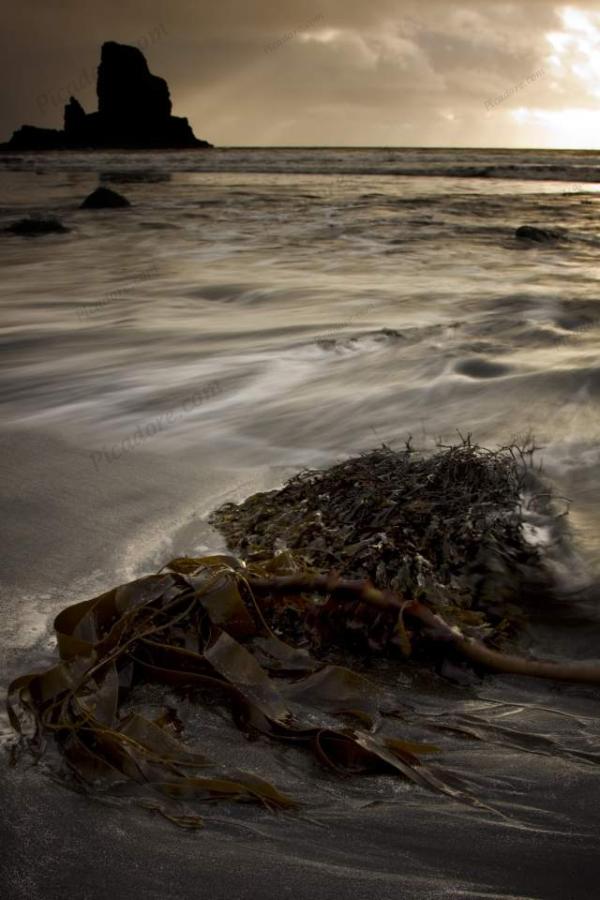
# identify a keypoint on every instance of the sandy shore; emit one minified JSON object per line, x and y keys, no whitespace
{"x":71,"y":531}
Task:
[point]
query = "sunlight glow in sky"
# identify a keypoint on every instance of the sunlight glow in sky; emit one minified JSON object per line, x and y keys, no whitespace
{"x":571,"y":71}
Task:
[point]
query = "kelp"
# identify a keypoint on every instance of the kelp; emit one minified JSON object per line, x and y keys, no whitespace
{"x":444,"y":528}
{"x":197,"y":624}
{"x":387,"y":553}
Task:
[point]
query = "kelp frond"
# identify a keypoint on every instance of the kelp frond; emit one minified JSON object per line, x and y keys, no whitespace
{"x":389,"y":552}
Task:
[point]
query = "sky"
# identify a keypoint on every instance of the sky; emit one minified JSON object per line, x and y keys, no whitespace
{"x":324,"y":72}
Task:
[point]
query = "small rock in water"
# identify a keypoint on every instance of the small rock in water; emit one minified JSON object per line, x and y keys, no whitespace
{"x":477,"y":367}
{"x":34,"y":227}
{"x":104,"y":198}
{"x":391,"y":333}
{"x":538,"y":235}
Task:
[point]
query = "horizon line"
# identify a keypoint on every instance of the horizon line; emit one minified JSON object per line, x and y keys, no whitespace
{"x":532,"y":149}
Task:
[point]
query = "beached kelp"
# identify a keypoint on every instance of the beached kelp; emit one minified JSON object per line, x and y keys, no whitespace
{"x":198,"y":626}
{"x":389,"y":553}
{"x":445,"y":528}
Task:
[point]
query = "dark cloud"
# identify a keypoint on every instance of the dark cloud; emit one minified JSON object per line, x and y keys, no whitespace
{"x":323,"y":71}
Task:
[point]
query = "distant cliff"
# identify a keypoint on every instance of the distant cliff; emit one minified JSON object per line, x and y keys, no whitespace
{"x":134,"y":111}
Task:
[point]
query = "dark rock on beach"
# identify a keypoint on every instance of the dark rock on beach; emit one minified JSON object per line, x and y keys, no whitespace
{"x":34,"y":227}
{"x":537,"y":235}
{"x":134,"y":111}
{"x":104,"y":198}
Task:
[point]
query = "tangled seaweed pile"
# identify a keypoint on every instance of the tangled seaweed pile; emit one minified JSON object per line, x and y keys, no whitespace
{"x":445,"y":528}
{"x":432,"y":534}
{"x":198,"y":626}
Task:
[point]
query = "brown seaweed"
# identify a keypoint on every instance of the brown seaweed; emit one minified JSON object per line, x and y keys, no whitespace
{"x":444,"y":528}
{"x":386,"y":553}
{"x":197,"y":625}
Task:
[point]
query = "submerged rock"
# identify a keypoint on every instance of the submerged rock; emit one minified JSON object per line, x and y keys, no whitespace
{"x":104,"y":198}
{"x":134,"y":110}
{"x":537,"y":235}
{"x":478,"y":367}
{"x":33,"y":227}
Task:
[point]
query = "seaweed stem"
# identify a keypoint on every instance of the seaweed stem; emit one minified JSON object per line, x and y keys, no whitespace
{"x":440,"y":630}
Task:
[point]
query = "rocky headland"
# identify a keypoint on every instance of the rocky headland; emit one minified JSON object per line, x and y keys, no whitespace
{"x":134,"y":112}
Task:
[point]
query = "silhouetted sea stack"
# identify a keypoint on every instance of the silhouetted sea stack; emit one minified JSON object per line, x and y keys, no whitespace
{"x":134,"y":112}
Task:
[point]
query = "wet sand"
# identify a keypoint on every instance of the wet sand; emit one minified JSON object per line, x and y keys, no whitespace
{"x":61,"y":845}
{"x":72,"y":531}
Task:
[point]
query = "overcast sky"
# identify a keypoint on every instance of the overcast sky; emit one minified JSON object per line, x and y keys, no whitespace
{"x":325,"y":72}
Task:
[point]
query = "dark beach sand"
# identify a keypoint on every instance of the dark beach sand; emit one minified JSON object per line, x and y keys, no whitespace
{"x":71,"y":532}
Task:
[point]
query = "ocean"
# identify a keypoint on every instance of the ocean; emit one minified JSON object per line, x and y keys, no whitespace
{"x":254,"y":312}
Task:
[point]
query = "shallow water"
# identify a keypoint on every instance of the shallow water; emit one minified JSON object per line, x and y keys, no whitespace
{"x":258,"y":311}
{"x":294,"y":317}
